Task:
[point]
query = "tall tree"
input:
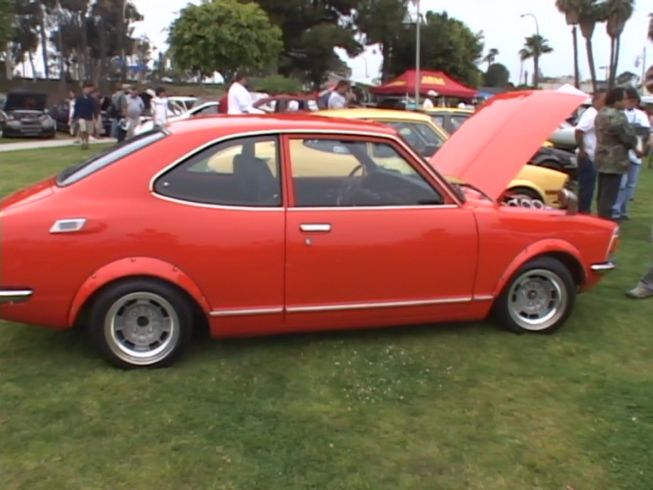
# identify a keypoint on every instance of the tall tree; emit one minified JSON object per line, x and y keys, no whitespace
{"x":571,"y":10}
{"x":381,"y":22}
{"x":7,"y":12}
{"x":497,"y":76}
{"x":304,"y":54}
{"x":589,"y":14}
{"x":448,"y":45}
{"x":650,"y":27}
{"x":224,"y":36}
{"x":617,"y":13}
{"x":490,"y":57}
{"x":534,"y":47}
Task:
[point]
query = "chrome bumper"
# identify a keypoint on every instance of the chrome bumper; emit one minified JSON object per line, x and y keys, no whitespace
{"x":15,"y":295}
{"x":604,"y":266}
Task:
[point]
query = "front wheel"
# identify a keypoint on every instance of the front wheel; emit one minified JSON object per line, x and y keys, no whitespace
{"x":539,"y":298}
{"x":141,"y":323}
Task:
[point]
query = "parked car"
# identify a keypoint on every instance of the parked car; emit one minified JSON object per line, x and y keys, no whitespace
{"x":546,"y":156}
{"x":25,"y":114}
{"x":60,"y":113}
{"x":210,"y":107}
{"x":419,"y":130}
{"x":260,"y":248}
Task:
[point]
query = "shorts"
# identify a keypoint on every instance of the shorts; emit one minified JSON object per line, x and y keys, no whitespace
{"x":85,"y":125}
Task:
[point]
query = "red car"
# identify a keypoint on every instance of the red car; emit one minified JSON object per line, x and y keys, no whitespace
{"x":274,"y":224}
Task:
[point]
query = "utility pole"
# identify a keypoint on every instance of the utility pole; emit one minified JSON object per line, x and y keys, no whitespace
{"x":418,"y":75}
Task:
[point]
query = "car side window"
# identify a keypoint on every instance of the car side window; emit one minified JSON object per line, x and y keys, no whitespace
{"x":457,"y":121}
{"x":239,"y":172}
{"x":421,"y":137}
{"x":328,"y":172}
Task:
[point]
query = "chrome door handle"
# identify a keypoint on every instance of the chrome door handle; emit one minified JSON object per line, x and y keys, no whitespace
{"x":315,"y":227}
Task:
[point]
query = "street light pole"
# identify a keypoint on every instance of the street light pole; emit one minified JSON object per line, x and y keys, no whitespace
{"x":537,"y":25}
{"x":418,"y":76}
{"x":122,"y":41}
{"x":536,"y":75}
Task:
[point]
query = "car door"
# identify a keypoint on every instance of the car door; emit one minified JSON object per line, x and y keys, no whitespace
{"x":367,"y":245}
{"x":226,"y":202}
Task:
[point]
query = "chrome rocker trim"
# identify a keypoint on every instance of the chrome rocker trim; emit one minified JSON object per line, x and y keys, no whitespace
{"x":604,"y":266}
{"x":15,"y":295}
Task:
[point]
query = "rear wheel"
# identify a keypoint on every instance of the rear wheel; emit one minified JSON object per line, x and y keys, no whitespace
{"x":538,"y":299}
{"x":141,"y":323}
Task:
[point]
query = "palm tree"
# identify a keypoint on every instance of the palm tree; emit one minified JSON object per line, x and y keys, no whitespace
{"x":490,"y":57}
{"x":589,"y":14}
{"x":617,"y":13}
{"x":570,"y":8}
{"x":650,"y":27}
{"x":534,"y":47}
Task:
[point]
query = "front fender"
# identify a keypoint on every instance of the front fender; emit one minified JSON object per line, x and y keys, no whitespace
{"x":543,"y":247}
{"x":131,"y":267}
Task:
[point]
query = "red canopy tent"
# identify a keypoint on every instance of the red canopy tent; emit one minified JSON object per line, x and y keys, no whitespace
{"x":437,"y":81}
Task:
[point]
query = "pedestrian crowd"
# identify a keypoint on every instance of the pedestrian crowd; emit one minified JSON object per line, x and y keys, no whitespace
{"x":614,"y":140}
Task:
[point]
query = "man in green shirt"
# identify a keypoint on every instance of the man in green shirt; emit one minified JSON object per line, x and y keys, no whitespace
{"x":614,"y":138}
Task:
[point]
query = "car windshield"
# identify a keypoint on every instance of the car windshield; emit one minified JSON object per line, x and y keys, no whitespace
{"x":420,"y":137}
{"x":104,"y":159}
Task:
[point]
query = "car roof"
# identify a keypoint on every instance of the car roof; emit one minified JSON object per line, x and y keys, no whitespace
{"x":366,"y":113}
{"x":223,"y":125}
{"x":448,"y":110}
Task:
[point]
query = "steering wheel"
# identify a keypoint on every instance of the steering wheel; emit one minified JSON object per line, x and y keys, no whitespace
{"x":348,"y":185}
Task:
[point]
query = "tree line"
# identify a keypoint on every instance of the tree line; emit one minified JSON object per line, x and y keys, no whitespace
{"x":91,"y":39}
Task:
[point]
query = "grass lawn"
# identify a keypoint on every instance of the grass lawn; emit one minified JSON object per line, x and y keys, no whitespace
{"x":439,"y":407}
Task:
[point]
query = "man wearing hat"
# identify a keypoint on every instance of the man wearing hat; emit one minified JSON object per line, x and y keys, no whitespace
{"x":428,"y":100}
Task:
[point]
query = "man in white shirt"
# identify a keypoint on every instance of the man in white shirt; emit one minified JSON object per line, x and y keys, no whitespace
{"x":428,"y":101}
{"x":160,"y":107}
{"x":586,"y":141}
{"x":640,"y":121}
{"x":338,"y":97}
{"x":239,"y":100}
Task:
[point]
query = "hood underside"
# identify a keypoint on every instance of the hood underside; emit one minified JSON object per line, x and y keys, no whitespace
{"x":28,"y":101}
{"x":490,"y":149}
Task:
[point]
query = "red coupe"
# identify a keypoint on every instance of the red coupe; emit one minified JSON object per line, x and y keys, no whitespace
{"x":275,"y":224}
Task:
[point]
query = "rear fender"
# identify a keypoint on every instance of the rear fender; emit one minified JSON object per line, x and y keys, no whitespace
{"x":544,"y":247}
{"x":131,"y":267}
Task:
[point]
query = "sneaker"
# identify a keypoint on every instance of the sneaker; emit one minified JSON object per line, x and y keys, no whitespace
{"x":640,"y":292}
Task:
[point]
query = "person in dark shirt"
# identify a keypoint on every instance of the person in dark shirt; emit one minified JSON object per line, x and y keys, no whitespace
{"x":85,"y":107}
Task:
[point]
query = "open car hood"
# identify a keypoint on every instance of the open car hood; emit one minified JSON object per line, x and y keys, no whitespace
{"x":30,"y":101}
{"x":490,"y":149}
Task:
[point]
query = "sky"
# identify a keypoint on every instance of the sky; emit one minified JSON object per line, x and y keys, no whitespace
{"x":499,"y":20}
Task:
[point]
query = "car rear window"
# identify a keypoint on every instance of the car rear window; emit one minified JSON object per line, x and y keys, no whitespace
{"x":80,"y":171}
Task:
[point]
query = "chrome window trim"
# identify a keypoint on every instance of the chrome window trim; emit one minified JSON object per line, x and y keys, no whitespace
{"x":371,"y":208}
{"x":446,"y":187}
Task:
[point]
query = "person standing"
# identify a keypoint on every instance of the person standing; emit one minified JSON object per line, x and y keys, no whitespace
{"x":640,"y":123}
{"x":239,"y":100}
{"x":586,"y":140}
{"x":160,"y":107}
{"x":133,"y":109}
{"x":338,"y":97}
{"x":115,"y":112}
{"x":72,"y":98}
{"x":84,"y":113}
{"x":428,"y":100}
{"x":614,"y":138}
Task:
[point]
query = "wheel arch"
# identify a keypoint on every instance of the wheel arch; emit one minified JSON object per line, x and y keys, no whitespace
{"x":136,"y":268}
{"x":560,"y":250}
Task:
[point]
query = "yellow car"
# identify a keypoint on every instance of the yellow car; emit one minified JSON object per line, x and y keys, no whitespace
{"x":425,"y":136}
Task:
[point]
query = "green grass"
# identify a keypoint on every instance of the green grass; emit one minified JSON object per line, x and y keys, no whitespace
{"x":440,"y":407}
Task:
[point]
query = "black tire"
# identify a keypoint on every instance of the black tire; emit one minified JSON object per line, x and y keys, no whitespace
{"x":553,"y":282}
{"x":141,"y":323}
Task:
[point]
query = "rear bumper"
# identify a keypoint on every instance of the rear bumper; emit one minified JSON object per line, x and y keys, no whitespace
{"x":15,"y":295}
{"x":602,"y":267}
